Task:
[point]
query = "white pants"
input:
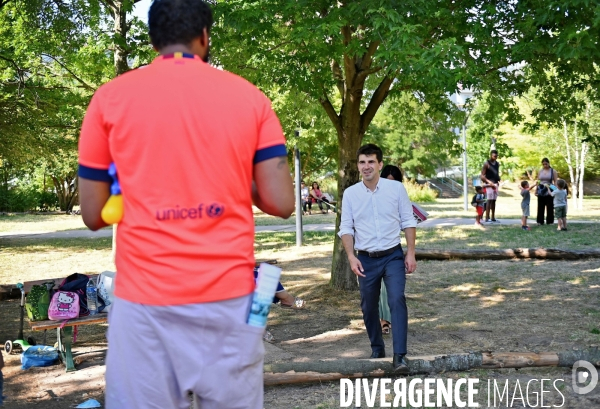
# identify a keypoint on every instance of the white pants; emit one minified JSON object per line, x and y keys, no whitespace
{"x":158,"y":354}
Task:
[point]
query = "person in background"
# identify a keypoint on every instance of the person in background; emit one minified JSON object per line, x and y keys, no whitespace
{"x":490,"y":174}
{"x":525,"y":192}
{"x":546,"y":176}
{"x":390,"y":172}
{"x":194,"y":147}
{"x":306,"y":199}
{"x":318,"y":196}
{"x":560,"y":204}
{"x":374,"y":212}
{"x":479,"y":203}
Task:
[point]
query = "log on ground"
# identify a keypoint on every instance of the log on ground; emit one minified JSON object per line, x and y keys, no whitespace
{"x":331,"y":370}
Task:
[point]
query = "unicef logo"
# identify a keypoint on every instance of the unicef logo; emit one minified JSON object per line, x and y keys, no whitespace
{"x":215,"y":210}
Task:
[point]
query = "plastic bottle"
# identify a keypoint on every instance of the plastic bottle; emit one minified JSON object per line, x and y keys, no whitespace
{"x":92,"y":296}
{"x":266,"y":285}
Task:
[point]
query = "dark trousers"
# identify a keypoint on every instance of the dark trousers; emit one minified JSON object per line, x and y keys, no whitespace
{"x":391,"y":269}
{"x":320,"y":202}
{"x":545,"y":203}
{"x":306,"y":204}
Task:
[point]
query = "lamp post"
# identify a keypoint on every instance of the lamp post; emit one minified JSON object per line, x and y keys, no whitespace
{"x":460,"y":99}
{"x":297,"y":178}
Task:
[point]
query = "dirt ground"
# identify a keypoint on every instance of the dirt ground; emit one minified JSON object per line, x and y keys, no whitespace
{"x":454,"y":307}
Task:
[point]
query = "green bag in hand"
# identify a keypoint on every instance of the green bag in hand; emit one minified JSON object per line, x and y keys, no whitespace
{"x":38,"y":301}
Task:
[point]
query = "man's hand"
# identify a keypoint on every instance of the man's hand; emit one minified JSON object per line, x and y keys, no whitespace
{"x":410,"y":263}
{"x":355,"y":265}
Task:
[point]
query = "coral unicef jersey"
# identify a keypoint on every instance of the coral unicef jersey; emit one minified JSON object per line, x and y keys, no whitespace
{"x":184,"y":137}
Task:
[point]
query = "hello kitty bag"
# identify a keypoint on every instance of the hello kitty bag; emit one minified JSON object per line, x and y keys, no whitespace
{"x":64,"y":306}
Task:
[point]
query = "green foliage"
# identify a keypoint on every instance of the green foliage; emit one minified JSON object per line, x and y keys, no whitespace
{"x":412,"y":136}
{"x":483,"y":126}
{"x":419,"y":193}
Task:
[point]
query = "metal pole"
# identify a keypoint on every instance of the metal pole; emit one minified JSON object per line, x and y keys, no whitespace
{"x":465,"y":186}
{"x":298,"y":197}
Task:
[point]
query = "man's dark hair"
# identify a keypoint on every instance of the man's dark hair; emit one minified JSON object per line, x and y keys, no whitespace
{"x":493,"y":151}
{"x":391,"y":170}
{"x":370,"y":149}
{"x":524,"y":183}
{"x":178,"y":21}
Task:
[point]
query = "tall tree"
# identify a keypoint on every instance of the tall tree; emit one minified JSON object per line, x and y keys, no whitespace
{"x":369,"y":51}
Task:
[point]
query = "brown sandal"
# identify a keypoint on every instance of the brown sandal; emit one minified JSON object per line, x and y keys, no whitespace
{"x":385,"y":328}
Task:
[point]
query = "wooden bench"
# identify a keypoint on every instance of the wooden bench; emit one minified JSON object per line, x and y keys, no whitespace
{"x":64,"y":335}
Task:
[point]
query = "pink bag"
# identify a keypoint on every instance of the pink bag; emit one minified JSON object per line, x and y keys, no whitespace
{"x":64,"y":306}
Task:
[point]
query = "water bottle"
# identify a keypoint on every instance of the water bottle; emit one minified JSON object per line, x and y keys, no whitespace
{"x":266,"y":285}
{"x":92,"y":296}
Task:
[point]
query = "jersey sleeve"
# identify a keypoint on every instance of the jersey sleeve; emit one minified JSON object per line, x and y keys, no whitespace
{"x":271,"y":141}
{"x":94,"y":152}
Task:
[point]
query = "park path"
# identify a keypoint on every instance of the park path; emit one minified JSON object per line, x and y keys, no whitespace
{"x":107,"y":232}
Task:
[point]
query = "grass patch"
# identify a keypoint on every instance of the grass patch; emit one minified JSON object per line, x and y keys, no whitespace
{"x":262,"y":219}
{"x":30,"y":223}
{"x":579,"y":237}
{"x":26,"y":259}
{"x":509,"y":206}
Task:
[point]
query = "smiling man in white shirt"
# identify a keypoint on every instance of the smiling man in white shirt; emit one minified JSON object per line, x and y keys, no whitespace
{"x":374,"y":212}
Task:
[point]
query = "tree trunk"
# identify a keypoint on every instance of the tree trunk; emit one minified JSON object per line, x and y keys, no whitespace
{"x":570,"y":164}
{"x":584,"y":149}
{"x":351,"y":126}
{"x":341,"y":276}
{"x":316,"y":371}
{"x":120,"y":29}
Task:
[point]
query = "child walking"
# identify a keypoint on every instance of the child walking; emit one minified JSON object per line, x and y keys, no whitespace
{"x":526,"y":193}
{"x":560,"y":204}
{"x":478,"y":202}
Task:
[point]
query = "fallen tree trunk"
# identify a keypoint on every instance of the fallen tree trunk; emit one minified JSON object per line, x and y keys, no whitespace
{"x":318,"y":371}
{"x":549,"y":254}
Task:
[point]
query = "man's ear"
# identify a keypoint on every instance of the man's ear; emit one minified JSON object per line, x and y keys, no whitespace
{"x":204,"y":38}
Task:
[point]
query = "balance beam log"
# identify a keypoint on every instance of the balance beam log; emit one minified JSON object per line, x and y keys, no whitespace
{"x":331,"y":370}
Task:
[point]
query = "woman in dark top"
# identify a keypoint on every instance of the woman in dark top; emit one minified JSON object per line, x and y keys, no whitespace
{"x":385,"y":317}
{"x":546,"y":176}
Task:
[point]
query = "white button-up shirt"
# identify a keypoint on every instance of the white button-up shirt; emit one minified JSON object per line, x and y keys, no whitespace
{"x":375,"y":218}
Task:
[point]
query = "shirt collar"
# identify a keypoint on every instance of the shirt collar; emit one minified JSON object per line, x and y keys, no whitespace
{"x":369,"y":190}
{"x":176,"y":56}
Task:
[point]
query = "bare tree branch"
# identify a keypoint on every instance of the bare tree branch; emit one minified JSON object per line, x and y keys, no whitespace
{"x":376,"y":100}
{"x":82,"y":82}
{"x":362,"y":75}
{"x":330,"y":110}
{"x":338,"y":77}
{"x":367,"y":58}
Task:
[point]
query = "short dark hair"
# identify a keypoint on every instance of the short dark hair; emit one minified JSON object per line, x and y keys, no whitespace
{"x":493,"y":151}
{"x":478,"y":188}
{"x":391,"y":170}
{"x":178,"y":21}
{"x":561,"y":183}
{"x":524,"y":183}
{"x":370,"y":149}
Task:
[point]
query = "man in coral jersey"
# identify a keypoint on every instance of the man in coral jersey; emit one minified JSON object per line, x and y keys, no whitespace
{"x":194,"y":147}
